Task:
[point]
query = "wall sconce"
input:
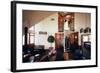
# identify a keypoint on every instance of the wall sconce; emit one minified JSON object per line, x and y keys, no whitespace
{"x":86,"y":30}
{"x":81,"y":30}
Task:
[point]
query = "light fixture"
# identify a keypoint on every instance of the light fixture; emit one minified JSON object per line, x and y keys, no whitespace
{"x":66,"y":25}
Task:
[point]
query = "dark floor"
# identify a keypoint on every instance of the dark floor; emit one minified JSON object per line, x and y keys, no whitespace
{"x":39,"y":54}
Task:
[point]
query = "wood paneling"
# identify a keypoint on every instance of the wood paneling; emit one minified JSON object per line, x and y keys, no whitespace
{"x":59,"y":39}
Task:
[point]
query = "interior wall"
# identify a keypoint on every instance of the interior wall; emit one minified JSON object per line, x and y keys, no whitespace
{"x":47,"y":25}
{"x":82,"y":20}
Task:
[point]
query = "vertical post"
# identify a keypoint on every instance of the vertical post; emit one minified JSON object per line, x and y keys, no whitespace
{"x":26,"y":31}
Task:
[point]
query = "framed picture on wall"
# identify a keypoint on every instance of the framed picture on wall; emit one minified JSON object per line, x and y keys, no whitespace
{"x":40,"y":38}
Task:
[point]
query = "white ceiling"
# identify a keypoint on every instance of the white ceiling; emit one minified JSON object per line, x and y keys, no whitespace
{"x":33,"y":17}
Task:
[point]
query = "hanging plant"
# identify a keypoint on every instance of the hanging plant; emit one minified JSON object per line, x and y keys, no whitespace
{"x":51,"y":39}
